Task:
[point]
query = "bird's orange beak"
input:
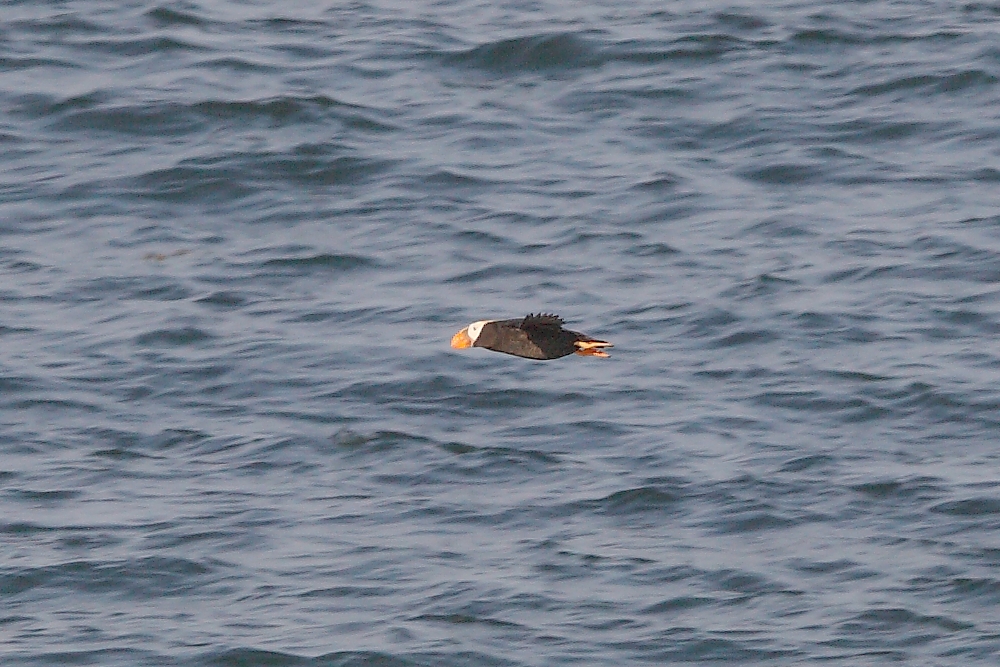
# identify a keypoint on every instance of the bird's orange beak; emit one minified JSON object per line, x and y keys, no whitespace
{"x":461,"y":340}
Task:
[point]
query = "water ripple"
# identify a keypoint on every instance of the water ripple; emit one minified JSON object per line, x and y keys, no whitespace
{"x":238,"y":238}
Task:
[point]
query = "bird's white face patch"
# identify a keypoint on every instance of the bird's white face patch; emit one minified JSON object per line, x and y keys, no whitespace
{"x":476,"y":328}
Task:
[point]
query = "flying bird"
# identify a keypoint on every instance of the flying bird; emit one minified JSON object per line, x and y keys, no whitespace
{"x":532,"y":337}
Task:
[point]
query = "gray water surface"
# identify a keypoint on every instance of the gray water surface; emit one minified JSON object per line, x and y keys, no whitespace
{"x":236,"y":238}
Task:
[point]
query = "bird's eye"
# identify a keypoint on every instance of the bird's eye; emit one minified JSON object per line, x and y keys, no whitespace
{"x":475,"y":329}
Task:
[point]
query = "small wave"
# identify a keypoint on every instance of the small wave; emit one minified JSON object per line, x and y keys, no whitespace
{"x":786,"y":174}
{"x":96,"y":112}
{"x":449,"y":179}
{"x":62,"y":24}
{"x":852,"y":409}
{"x":901,"y":622}
{"x":753,"y":521}
{"x":142,"y":46}
{"x":680,"y":647}
{"x":179,"y":337}
{"x":762,"y":285}
{"x":969,"y":507}
{"x":535,"y":53}
{"x":116,"y":443}
{"x":189,"y":184}
{"x":981,"y":590}
{"x":876,"y":36}
{"x":655,"y":250}
{"x":140,"y":577}
{"x":495,"y":272}
{"x":904,"y":491}
{"x":945,"y":83}
{"x":705,"y":47}
{"x":224,"y":300}
{"x":741,"y":21}
{"x":109,"y":657}
{"x":12,"y":64}
{"x":815,"y":462}
{"x":157,"y":120}
{"x":458,"y":618}
{"x":821,"y":567}
{"x":319,"y":263}
{"x":679,"y":605}
{"x":46,"y":496}
{"x":286,"y":110}
{"x":865,"y":131}
{"x":166,"y":17}
{"x":639,"y":500}
{"x":351,"y":441}
{"x":743,"y":338}
{"x":238,"y":177}
{"x":252,"y":657}
{"x":661,"y":184}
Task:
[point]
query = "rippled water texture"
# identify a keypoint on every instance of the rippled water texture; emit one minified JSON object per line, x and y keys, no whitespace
{"x":236,"y":238}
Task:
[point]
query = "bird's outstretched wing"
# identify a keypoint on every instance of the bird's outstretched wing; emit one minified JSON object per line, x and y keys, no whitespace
{"x":541,"y":321}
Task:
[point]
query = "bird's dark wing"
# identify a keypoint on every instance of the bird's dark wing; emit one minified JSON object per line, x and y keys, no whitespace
{"x":519,"y":343}
{"x":533,"y":341}
{"x":546,"y":333}
{"x":541,"y":320}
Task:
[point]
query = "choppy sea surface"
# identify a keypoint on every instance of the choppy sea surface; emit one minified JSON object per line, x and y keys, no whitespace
{"x":235,"y":241}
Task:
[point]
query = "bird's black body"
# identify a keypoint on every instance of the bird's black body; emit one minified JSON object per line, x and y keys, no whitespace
{"x":535,"y":337}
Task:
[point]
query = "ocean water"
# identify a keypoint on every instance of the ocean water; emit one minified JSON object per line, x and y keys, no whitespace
{"x":237,"y":237}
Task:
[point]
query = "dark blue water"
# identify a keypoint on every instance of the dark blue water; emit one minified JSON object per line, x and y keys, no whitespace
{"x":237,"y":237}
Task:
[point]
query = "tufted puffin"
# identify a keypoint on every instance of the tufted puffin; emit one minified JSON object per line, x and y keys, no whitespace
{"x":532,"y":337}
